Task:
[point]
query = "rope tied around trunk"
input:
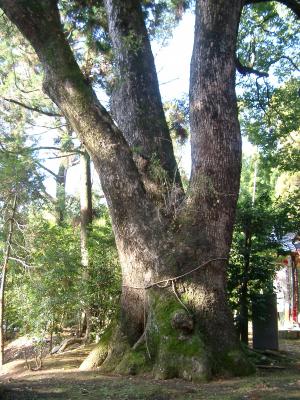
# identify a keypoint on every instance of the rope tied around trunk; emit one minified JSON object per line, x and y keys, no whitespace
{"x":163,"y":284}
{"x":166,"y":282}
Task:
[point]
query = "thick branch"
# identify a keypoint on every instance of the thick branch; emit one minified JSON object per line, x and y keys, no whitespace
{"x":65,"y":84}
{"x":294,"y":5}
{"x":215,"y":137}
{"x":136,"y":100}
{"x":35,"y":109}
{"x":242,"y":69}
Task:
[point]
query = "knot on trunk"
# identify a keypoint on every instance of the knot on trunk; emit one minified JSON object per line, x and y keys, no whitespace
{"x":182,"y":322}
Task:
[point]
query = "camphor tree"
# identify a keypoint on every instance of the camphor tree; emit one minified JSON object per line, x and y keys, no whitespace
{"x":173,"y":246}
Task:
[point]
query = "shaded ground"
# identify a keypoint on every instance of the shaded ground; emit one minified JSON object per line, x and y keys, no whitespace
{"x":60,"y":379}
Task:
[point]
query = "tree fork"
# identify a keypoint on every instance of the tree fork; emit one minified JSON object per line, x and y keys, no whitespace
{"x":151,"y":248}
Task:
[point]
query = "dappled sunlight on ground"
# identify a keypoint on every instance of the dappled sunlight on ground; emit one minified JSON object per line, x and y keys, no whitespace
{"x":60,"y":379}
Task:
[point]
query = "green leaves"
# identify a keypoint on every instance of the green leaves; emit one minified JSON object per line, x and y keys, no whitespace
{"x":269,"y":107}
{"x":277,"y":132}
{"x":260,"y":224}
{"x":52,"y":294}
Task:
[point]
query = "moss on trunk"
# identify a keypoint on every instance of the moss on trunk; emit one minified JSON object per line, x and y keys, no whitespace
{"x":172,"y":346}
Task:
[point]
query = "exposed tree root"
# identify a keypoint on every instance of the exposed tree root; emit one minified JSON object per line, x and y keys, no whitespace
{"x":68,"y":342}
{"x":38,"y":362}
{"x":170,"y":347}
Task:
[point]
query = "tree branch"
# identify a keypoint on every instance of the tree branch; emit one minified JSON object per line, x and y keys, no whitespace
{"x":18,"y":260}
{"x":62,"y":156}
{"x":47,"y":170}
{"x":31,"y":149}
{"x":76,"y":150}
{"x":122,"y":183}
{"x":293,"y":5}
{"x":48,"y":113}
{"x":244,"y":70}
{"x":285,"y":58}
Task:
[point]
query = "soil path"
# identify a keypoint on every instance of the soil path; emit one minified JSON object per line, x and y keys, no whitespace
{"x":60,"y":379}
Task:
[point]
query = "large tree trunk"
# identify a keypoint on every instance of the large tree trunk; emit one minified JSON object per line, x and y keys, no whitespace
{"x":137,"y":108}
{"x":216,"y":161}
{"x":137,"y":222}
{"x":175,"y":319}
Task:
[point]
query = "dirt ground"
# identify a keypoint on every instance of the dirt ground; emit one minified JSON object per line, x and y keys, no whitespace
{"x":59,"y":378}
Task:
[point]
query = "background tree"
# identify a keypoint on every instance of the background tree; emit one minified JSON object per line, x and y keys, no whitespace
{"x":269,"y":103}
{"x":3,"y":276}
{"x":19,"y":180}
{"x":263,"y":218}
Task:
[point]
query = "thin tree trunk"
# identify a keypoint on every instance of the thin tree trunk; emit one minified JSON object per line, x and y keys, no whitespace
{"x":244,"y":301}
{"x":244,"y":314}
{"x":86,"y":218}
{"x":3,"y":277}
{"x":61,"y":192}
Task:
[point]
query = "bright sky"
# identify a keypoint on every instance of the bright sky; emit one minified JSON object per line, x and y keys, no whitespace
{"x":173,"y":60}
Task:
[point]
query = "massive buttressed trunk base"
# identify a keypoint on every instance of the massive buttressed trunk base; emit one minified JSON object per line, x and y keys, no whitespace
{"x":173,"y":246}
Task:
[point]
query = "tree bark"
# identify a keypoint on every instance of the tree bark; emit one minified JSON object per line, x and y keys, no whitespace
{"x":136,"y":101}
{"x":208,"y":217}
{"x":136,"y":220}
{"x":3,"y":277}
{"x":174,"y":316}
{"x":61,"y":193}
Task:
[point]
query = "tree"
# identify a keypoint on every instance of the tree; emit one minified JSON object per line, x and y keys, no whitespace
{"x":173,"y":246}
{"x":86,"y":219}
{"x":3,"y":276}
{"x":20,"y":184}
{"x":264,"y":216}
{"x":277,"y":133}
{"x":253,"y":251}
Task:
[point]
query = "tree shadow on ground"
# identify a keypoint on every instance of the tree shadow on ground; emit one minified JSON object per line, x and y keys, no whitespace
{"x":9,"y":394}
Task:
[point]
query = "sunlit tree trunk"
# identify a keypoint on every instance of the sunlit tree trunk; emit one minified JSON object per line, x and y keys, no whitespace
{"x":86,"y":218}
{"x":244,"y":299}
{"x":60,"y":205}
